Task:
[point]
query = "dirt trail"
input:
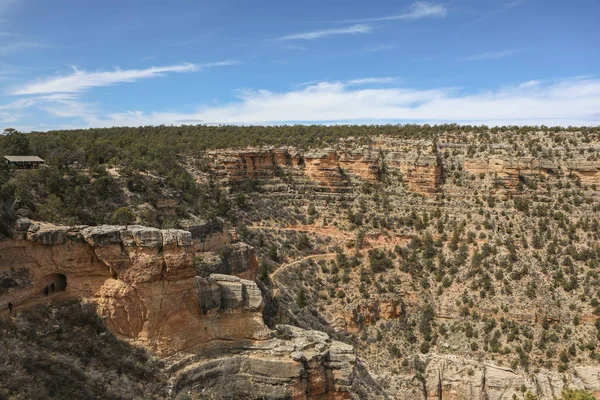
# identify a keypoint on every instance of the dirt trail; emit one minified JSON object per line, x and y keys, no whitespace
{"x":335,"y":232}
{"x":35,"y":301}
{"x":285,"y":266}
{"x":370,"y":243}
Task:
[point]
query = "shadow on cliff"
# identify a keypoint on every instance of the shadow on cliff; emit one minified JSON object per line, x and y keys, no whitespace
{"x":64,"y":351}
{"x":271,"y":304}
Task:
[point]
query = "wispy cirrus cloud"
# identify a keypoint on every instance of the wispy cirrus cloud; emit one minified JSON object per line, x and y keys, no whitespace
{"x":493,"y":55}
{"x":312,"y":35}
{"x":379,"y":47}
{"x":417,"y":10}
{"x":81,"y":80}
{"x":351,"y":82}
{"x":372,"y":80}
{"x":20,"y":45}
{"x":503,"y":8}
{"x":514,"y":3}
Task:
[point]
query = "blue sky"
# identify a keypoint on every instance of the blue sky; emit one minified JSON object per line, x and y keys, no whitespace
{"x":72,"y":64}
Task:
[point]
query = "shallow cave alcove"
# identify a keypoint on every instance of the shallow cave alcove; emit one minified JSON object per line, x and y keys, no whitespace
{"x":59,"y":280}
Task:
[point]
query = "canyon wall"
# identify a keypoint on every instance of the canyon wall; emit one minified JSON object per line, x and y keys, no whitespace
{"x":507,"y":169}
{"x":335,"y":170}
{"x":142,"y":279}
{"x":209,"y":328}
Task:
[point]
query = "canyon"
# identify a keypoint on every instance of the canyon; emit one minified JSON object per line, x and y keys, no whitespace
{"x":144,"y":284}
{"x":369,"y":267}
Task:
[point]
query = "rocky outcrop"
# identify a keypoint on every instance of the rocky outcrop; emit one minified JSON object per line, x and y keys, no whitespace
{"x":422,"y":173}
{"x":458,"y":378}
{"x":333,"y":169}
{"x":297,"y":364}
{"x":144,"y":283}
{"x":506,"y":170}
{"x":368,"y":312}
{"x":228,"y":293}
{"x":362,"y":163}
{"x":236,"y":259}
{"x":143,"y":280}
{"x":323,"y":166}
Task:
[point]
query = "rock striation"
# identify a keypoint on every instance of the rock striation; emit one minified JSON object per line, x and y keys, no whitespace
{"x":507,"y":170}
{"x":143,"y":280}
{"x":456,"y":378}
{"x":233,"y":259}
{"x":333,"y":170}
{"x":297,"y":364}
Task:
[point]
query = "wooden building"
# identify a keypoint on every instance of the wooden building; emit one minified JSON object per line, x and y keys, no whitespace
{"x":24,"y":162}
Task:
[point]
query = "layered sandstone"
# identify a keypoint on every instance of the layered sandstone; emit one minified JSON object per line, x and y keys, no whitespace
{"x":297,"y":364}
{"x":236,"y":259}
{"x":333,"y":169}
{"x":457,"y":378}
{"x":507,"y":170}
{"x":145,"y":285}
{"x":142,"y":279}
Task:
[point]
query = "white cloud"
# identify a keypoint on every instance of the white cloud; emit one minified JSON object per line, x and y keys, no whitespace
{"x":574,"y":101}
{"x":515,"y":3}
{"x":380,"y":47}
{"x":417,"y":10}
{"x":14,"y":47}
{"x":18,"y":104}
{"x":493,"y":55}
{"x":81,"y":80}
{"x":350,"y":30}
{"x":366,"y":81}
{"x":529,"y":84}
{"x":567,"y":102}
{"x":504,"y":8}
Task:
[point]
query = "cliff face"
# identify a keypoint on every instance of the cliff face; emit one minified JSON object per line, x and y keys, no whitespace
{"x":142,"y":279}
{"x":457,"y":378}
{"x":297,"y":364}
{"x":507,"y":169}
{"x":335,"y":170}
{"x":145,"y":285}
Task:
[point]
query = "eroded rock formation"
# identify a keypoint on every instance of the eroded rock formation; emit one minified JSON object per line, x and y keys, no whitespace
{"x":507,"y":170}
{"x":297,"y":364}
{"x":334,"y":169}
{"x":456,"y":378}
{"x":145,"y":285}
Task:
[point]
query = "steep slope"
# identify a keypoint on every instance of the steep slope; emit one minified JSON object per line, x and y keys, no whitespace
{"x":210,"y":328}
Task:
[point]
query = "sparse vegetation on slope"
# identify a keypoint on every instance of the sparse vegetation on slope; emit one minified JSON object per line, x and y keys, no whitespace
{"x":64,"y":351}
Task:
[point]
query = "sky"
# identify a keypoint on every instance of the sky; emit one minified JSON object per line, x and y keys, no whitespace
{"x":79,"y":64}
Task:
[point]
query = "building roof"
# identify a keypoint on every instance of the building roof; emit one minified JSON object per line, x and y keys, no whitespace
{"x":23,"y":159}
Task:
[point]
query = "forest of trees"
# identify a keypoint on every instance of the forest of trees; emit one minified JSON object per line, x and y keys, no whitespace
{"x":76,"y":186}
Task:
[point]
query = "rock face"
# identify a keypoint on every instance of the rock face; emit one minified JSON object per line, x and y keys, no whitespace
{"x":457,"y":378}
{"x":298,"y":364}
{"x":145,"y":285}
{"x":507,"y":170}
{"x":142,"y":279}
{"x":333,"y":169}
{"x":422,"y":173}
{"x":367,"y":312}
{"x":228,"y":293}
{"x":231,"y":259}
